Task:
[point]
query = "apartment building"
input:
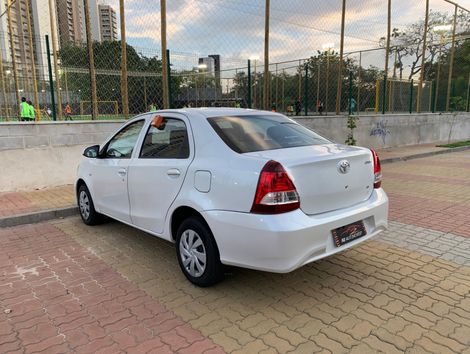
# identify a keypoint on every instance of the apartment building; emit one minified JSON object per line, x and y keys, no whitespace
{"x":108,"y":23}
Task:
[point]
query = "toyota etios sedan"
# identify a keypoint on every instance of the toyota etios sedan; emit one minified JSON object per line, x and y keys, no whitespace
{"x":231,"y":186}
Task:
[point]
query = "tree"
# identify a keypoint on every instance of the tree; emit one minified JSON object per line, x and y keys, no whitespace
{"x":144,"y":74}
{"x":408,"y":43}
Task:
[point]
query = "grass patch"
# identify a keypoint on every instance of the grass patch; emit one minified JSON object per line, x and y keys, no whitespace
{"x":456,"y":145}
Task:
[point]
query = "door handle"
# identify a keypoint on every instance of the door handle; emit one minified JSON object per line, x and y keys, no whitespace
{"x":174,"y":172}
{"x":122,"y":172}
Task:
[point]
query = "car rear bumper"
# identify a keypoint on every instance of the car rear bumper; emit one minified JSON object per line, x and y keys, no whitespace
{"x":284,"y":242}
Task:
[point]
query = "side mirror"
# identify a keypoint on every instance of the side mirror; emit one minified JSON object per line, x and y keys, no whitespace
{"x":92,"y":151}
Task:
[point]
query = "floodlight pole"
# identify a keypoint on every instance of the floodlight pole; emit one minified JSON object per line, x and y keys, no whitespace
{"x":423,"y":60}
{"x":166,"y":96}
{"x":451,"y":63}
{"x":54,"y":55}
{"x":13,"y":57}
{"x":91,"y":61}
{"x":266,"y":86}
{"x":33,"y":64}
{"x":387,"y":54}
{"x":340,"y":69}
{"x":124,"y":84}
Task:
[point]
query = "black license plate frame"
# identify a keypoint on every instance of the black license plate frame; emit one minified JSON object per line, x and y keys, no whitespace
{"x":348,"y":233}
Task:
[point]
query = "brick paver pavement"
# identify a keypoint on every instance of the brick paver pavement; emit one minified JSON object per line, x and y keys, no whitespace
{"x":406,"y":291}
{"x":57,"y":297}
{"x":16,"y":203}
{"x":405,"y":151}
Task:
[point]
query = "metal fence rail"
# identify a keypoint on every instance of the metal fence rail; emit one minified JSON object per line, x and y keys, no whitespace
{"x":318,"y":58}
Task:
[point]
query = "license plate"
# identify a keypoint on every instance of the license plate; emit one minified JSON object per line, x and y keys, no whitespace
{"x":348,"y":233}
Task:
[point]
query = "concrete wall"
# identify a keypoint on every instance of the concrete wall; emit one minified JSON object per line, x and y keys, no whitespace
{"x":376,"y":131}
{"x":383,"y":131}
{"x":28,"y":169}
{"x":16,"y":135}
{"x":47,"y":154}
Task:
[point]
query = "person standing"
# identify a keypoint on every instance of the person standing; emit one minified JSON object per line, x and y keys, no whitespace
{"x":352,"y":104}
{"x":297,"y":107}
{"x":320,"y":107}
{"x":68,"y":112}
{"x":31,"y":111}
{"x":24,"y":110}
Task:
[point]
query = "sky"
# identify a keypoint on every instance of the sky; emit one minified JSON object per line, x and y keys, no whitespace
{"x":235,"y":28}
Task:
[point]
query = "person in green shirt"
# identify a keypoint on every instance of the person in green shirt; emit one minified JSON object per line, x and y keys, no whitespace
{"x":24,"y":110}
{"x":32,"y":111}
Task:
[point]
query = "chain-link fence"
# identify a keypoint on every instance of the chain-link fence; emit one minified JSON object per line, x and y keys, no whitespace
{"x":215,"y":57}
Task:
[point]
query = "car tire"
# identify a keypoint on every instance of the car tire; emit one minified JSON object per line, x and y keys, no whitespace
{"x":86,"y":207}
{"x":197,"y":253}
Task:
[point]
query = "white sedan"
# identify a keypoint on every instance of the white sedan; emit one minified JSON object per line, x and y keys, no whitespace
{"x":231,"y":186}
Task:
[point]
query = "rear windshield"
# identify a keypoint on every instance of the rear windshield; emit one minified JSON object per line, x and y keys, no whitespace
{"x":259,"y":133}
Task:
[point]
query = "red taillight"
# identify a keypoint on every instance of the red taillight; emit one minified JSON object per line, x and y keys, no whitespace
{"x":377,"y":169}
{"x":276,"y":192}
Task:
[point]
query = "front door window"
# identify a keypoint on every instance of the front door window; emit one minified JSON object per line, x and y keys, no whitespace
{"x":122,"y":144}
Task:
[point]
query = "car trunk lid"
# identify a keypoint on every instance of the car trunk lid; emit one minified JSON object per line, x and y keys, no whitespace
{"x":327,"y":177}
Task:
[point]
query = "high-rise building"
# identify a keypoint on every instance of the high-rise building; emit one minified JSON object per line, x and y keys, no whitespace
{"x":19,"y":46}
{"x":108,"y":23}
{"x":41,"y":28}
{"x":207,"y":65}
{"x":71,"y":19}
{"x":94,"y":21}
{"x":211,"y":66}
{"x":216,"y":58}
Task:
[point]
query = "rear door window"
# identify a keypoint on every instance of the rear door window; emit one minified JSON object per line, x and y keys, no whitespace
{"x":168,"y":141}
{"x":259,"y":133}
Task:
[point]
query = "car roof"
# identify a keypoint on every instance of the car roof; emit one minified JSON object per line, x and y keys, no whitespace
{"x":207,"y":112}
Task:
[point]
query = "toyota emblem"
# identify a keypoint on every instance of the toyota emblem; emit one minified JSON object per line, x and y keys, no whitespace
{"x":344,"y":166}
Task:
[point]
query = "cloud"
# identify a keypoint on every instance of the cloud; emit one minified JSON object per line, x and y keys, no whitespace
{"x":235,"y":28}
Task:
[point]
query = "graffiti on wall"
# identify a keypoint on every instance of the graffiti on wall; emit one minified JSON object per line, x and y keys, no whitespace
{"x":380,"y":130}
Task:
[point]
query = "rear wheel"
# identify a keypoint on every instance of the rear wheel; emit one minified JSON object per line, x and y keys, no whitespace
{"x":87,"y":208}
{"x":197,"y":252}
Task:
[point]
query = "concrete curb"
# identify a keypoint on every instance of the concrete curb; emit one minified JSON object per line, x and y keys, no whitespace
{"x":37,"y":217}
{"x":46,"y":215}
{"x":424,"y":154}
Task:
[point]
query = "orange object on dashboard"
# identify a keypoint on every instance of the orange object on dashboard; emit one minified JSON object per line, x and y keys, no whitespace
{"x":158,"y":122}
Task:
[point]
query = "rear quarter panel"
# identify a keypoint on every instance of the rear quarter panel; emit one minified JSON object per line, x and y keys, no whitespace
{"x":234,"y":177}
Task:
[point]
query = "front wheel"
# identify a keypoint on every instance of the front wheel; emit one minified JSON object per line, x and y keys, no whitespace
{"x":197,"y":252}
{"x":87,"y":209}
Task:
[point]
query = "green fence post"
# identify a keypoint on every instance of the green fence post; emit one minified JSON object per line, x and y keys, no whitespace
{"x":384,"y":93}
{"x":306,"y":90}
{"x":411,"y":96}
{"x":350,"y":92}
{"x":433,"y":96}
{"x":248,"y":98}
{"x":51,"y":80}
{"x":170,"y":95}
